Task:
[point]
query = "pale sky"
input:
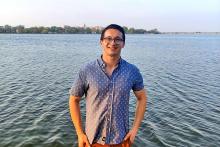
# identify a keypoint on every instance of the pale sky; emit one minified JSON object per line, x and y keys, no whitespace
{"x":165,"y":15}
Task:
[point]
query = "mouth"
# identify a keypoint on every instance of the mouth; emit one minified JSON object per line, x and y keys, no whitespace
{"x":113,"y":47}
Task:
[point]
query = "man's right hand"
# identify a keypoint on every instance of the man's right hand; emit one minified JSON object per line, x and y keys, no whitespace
{"x":83,"y":141}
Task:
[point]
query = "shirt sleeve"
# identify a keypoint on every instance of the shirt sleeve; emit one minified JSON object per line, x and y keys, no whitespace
{"x":138,"y":83}
{"x":79,"y":86}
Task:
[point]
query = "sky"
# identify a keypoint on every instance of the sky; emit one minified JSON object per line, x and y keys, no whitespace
{"x":165,"y":15}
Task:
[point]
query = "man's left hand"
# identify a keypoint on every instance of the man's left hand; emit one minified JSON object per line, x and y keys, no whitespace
{"x":131,"y":136}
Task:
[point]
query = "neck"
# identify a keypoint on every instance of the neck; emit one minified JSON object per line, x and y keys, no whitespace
{"x":110,"y":61}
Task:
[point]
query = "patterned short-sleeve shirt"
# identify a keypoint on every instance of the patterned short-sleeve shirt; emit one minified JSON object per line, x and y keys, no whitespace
{"x":107,"y":99}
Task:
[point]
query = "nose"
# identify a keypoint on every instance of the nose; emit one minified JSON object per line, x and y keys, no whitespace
{"x":113,"y":41}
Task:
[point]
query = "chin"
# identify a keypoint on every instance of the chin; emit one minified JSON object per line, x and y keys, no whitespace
{"x":114,"y":54}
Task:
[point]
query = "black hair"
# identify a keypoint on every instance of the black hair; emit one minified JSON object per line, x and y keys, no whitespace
{"x":113,"y":26}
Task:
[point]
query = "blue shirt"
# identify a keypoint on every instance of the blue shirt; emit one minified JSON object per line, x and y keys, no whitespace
{"x":107,"y":99}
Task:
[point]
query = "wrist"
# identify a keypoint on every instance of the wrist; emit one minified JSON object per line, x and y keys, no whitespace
{"x":80,"y":133}
{"x":134,"y":129}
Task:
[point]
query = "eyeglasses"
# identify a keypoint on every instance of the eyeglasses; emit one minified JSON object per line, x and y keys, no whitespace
{"x":116,"y":40}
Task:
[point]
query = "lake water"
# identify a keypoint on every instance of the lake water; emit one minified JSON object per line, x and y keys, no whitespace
{"x":181,"y":74}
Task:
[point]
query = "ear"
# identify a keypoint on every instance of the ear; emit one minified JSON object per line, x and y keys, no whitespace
{"x":100,"y":42}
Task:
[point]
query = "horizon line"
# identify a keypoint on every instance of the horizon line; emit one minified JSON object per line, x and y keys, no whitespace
{"x":101,"y":27}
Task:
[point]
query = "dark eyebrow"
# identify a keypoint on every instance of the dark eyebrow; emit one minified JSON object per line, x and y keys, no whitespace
{"x":112,"y":37}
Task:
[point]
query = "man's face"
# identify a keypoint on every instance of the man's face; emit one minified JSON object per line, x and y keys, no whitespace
{"x":112,"y":42}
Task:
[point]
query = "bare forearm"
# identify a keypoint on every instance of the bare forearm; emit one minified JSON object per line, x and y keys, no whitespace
{"x":139,"y":114}
{"x":75,"y":115}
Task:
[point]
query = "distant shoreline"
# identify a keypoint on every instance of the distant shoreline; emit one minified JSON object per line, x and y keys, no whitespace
{"x":21,"y":29}
{"x":161,"y":33}
{"x":190,"y":32}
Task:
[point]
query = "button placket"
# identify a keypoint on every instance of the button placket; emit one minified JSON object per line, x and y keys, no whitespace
{"x":111,"y":99}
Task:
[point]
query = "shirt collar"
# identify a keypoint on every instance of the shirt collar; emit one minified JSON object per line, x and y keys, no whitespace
{"x":103,"y":65}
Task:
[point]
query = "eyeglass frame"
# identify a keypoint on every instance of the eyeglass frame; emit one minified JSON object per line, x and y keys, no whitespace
{"x":116,"y":40}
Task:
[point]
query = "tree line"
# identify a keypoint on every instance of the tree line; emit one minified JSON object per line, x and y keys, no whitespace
{"x":21,"y":29}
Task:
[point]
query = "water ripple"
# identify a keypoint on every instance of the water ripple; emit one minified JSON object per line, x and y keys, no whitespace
{"x":181,"y":74}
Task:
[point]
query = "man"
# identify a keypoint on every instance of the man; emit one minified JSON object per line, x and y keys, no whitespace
{"x":106,"y":84}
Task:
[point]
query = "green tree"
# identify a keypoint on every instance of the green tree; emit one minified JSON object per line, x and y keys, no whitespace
{"x":125,"y":29}
{"x":45,"y":30}
{"x":88,"y":30}
{"x":154,"y":31}
{"x":131,"y":30}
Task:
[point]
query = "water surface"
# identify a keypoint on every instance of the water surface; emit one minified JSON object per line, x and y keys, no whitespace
{"x":181,"y":74}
